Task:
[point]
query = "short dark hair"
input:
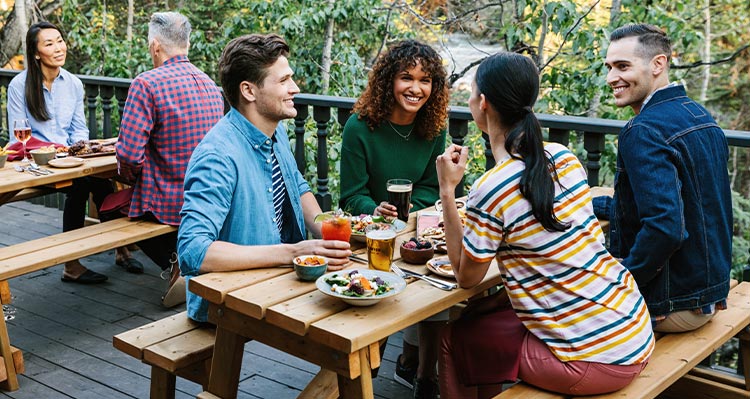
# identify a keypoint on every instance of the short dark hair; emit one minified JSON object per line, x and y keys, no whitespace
{"x":247,"y":58}
{"x":653,"y":40}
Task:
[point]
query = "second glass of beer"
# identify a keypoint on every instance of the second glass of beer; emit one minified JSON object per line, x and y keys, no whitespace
{"x":381,"y":241}
{"x":399,"y":195}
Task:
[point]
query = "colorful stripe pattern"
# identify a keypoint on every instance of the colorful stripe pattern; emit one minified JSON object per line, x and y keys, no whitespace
{"x":565,"y":287}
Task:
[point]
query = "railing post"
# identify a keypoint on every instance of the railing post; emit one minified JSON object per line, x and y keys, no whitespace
{"x":299,"y":134}
{"x":458,"y":129}
{"x":92,"y":92}
{"x":107,"y":92}
{"x":593,"y":143}
{"x":322,"y":116}
{"x":121,"y":94}
{"x":561,"y":136}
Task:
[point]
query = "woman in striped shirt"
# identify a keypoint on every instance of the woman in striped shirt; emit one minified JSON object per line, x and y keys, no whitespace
{"x":575,"y":322}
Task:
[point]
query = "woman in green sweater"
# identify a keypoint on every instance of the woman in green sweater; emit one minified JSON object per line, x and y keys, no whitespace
{"x":396,"y":132}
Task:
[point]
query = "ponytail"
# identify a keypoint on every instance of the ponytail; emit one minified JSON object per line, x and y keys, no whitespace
{"x":510,"y":83}
{"x":524,"y":142}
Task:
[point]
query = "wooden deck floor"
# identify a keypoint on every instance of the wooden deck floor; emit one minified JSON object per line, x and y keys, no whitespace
{"x":65,"y":330}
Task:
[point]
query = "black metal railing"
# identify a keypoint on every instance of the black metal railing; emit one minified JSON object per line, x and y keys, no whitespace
{"x":103,"y":94}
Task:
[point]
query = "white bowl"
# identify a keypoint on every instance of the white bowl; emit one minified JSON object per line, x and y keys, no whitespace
{"x":393,"y":280}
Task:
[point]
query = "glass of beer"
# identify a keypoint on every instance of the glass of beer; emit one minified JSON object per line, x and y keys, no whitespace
{"x":399,"y":195}
{"x":381,"y":241}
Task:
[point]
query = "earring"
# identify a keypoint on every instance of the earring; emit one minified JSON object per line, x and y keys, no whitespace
{"x":37,"y":57}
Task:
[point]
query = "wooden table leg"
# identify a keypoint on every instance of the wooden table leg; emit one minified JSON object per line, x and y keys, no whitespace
{"x":322,"y":386}
{"x":360,"y":387}
{"x":226,"y":364}
{"x":744,"y":338}
{"x":10,"y":384}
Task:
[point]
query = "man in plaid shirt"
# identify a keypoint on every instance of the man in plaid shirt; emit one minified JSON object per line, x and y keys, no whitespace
{"x":168,"y":111}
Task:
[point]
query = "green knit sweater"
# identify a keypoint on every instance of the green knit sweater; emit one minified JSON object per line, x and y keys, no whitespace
{"x":370,"y":158}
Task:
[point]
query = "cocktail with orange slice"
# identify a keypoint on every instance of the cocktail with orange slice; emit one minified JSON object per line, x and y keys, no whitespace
{"x":336,"y":225}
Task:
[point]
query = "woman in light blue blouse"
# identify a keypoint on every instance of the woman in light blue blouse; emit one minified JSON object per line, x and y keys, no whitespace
{"x":51,"y":98}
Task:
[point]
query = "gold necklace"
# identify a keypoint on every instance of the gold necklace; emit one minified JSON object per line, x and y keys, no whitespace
{"x":403,"y":136}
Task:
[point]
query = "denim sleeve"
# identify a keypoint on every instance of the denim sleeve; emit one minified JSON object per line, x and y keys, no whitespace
{"x":649,"y":162}
{"x":602,"y":206}
{"x":209,"y":184}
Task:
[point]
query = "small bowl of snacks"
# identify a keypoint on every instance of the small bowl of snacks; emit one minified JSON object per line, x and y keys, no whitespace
{"x":310,"y":267}
{"x":417,"y":251}
{"x":43,"y":155}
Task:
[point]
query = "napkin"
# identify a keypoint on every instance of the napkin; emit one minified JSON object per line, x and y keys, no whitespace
{"x":32,"y":144}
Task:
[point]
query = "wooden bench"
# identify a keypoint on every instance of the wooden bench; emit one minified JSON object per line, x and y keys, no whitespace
{"x":671,"y":371}
{"x":19,"y":259}
{"x":173,"y":346}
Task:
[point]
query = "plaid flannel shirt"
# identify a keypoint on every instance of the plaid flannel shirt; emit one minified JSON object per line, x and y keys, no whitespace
{"x":168,"y":111}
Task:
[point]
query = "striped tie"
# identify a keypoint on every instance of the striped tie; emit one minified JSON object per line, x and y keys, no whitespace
{"x":279,"y":190}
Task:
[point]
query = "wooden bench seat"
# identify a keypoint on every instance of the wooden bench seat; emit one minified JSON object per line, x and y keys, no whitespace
{"x":676,"y":355}
{"x":173,"y":346}
{"x":30,"y":256}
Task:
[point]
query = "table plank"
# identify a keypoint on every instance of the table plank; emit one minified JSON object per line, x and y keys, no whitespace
{"x":215,"y":286}
{"x":254,"y":300}
{"x":418,"y":301}
{"x":10,"y":180}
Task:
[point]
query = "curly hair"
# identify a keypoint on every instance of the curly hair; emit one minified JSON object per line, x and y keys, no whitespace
{"x":377,"y":101}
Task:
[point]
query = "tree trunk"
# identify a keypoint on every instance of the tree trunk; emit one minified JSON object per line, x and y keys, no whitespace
{"x":13,"y":32}
{"x":542,"y":36}
{"x":129,"y":29}
{"x":706,"y":50}
{"x":596,"y":99}
{"x":23,"y":20}
{"x":325,"y":73}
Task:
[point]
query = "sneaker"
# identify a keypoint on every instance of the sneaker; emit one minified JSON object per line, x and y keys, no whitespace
{"x":176,"y":291}
{"x":405,"y":375}
{"x":425,"y":388}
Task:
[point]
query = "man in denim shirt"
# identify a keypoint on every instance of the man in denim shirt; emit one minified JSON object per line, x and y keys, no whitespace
{"x":671,"y":215}
{"x":234,"y":217}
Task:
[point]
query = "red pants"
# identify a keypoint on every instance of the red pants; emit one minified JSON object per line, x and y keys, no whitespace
{"x":538,"y":367}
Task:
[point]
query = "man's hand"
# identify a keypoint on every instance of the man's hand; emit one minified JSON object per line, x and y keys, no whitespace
{"x":336,"y":251}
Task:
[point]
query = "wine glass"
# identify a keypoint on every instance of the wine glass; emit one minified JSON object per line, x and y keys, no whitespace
{"x":22,"y":131}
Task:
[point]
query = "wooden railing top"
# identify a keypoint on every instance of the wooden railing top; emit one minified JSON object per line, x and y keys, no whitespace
{"x":562,"y":122}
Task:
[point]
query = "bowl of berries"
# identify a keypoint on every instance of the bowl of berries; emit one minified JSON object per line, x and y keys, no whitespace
{"x":417,"y":251}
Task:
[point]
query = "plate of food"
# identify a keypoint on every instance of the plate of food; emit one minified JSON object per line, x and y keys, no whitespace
{"x":67,"y":162}
{"x":441,"y":266}
{"x":92,"y":148}
{"x":360,"y":223}
{"x":360,"y":287}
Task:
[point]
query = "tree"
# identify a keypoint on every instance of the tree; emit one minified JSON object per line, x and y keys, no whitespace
{"x":17,"y":20}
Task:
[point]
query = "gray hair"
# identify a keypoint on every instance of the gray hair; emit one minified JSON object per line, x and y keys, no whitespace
{"x":172,"y":29}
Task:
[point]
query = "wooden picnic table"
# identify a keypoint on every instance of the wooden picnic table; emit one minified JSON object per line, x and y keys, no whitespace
{"x":273,"y":307}
{"x":12,"y":181}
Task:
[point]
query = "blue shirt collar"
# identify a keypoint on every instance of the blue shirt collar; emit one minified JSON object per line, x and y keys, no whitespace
{"x":251,"y":133}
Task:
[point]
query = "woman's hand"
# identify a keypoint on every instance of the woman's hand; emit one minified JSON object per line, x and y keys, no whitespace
{"x":451,"y":166}
{"x":385,"y":209}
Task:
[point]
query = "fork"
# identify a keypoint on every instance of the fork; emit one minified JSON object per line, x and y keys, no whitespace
{"x":436,"y":283}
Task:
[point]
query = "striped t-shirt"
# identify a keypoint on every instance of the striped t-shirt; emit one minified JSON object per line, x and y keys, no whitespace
{"x":564,"y":286}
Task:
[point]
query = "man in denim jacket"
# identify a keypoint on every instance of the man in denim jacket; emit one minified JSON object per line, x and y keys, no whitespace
{"x":671,"y":215}
{"x":246,"y":204}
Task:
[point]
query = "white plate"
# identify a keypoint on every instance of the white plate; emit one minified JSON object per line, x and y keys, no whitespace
{"x":438,"y":266}
{"x":395,"y":281}
{"x":67,"y":162}
{"x":399,"y":224}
